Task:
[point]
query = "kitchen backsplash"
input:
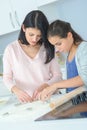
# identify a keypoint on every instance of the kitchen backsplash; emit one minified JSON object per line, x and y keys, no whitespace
{"x":3,"y":89}
{"x":1,"y":64}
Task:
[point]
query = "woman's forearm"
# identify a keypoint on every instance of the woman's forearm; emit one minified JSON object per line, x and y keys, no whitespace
{"x":73,"y":82}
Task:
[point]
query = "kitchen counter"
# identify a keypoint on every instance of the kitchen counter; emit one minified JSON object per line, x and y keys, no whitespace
{"x":22,"y":116}
{"x":12,"y":109}
{"x":19,"y":119}
{"x":69,"y":124}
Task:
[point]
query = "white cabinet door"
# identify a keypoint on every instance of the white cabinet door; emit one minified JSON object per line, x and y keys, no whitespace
{"x":13,"y":12}
{"x":20,"y":8}
{"x":6,"y":21}
{"x":43,"y":2}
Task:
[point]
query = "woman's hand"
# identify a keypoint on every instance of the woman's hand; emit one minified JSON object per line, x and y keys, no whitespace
{"x":40,"y":89}
{"x":46,"y":93}
{"x":21,"y":95}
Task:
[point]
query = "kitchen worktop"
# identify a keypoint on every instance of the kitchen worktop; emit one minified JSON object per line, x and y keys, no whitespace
{"x":15,"y":116}
{"x":65,"y":124}
{"x":11,"y":108}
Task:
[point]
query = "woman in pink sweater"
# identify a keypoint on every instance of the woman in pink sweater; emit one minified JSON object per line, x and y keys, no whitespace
{"x":29,"y":63}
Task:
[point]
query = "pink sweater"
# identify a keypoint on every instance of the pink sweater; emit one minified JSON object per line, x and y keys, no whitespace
{"x":27,"y":73}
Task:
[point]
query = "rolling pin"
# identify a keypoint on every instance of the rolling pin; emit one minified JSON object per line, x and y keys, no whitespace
{"x":66,"y":97}
{"x":70,"y":109}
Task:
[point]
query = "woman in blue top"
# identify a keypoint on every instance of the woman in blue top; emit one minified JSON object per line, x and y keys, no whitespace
{"x":65,"y":39}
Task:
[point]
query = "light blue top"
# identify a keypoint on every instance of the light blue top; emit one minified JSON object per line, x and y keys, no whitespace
{"x":81,"y":61}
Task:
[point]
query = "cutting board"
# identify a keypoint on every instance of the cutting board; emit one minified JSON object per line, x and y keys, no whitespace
{"x":67,"y":110}
{"x":71,"y":109}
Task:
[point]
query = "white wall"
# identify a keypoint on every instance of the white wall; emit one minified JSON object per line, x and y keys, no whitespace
{"x":73,"y":11}
{"x":50,"y":10}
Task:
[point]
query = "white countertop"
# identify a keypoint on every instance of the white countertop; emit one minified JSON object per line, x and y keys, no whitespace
{"x":11,"y":109}
{"x":69,"y":124}
{"x":21,"y":120}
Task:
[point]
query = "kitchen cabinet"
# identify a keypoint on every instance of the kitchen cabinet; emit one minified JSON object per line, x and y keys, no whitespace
{"x":6,"y":22}
{"x":21,"y":8}
{"x":12,"y":13}
{"x":44,"y":2}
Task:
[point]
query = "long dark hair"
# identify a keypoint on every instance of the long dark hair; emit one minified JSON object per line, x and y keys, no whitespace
{"x":61,"y":28}
{"x":36,"y":19}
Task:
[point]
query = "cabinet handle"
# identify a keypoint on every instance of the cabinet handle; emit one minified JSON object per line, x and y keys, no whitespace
{"x":16,"y":17}
{"x":10,"y":15}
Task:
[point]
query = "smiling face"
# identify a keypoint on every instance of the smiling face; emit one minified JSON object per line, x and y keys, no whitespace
{"x":61,"y":44}
{"x":33,"y":35}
